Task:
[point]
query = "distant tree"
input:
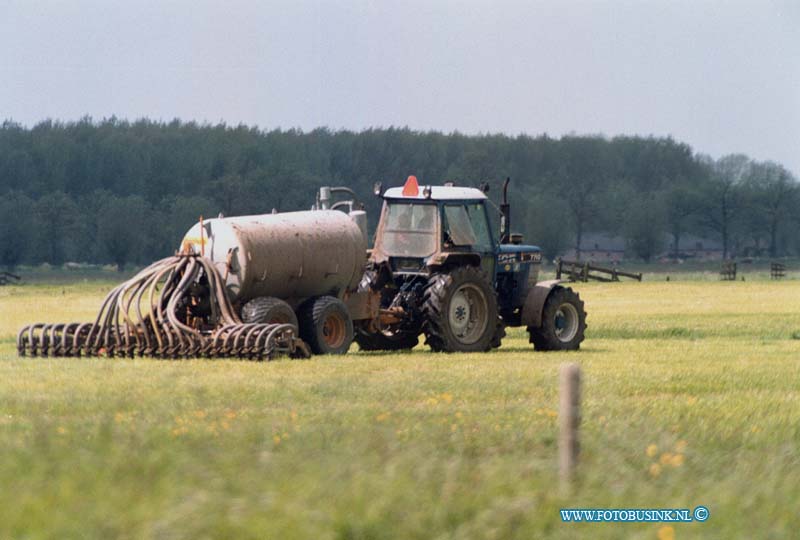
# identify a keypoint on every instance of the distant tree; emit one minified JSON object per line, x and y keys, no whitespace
{"x":581,"y":179}
{"x":87,"y":247}
{"x":56,"y":218}
{"x":645,"y":227}
{"x":230,"y":192}
{"x":120,"y":230}
{"x":561,"y":187}
{"x":682,"y":201}
{"x":545,"y":225}
{"x":724,"y":197}
{"x":16,"y":228}
{"x":773,"y":193}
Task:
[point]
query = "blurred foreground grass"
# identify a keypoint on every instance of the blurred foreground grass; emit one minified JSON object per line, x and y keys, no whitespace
{"x":691,"y":396}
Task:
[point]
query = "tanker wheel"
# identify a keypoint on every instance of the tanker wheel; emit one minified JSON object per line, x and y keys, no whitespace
{"x":267,"y":309}
{"x":326,"y":325}
{"x":563,"y":322}
{"x":386,"y":340}
{"x":460,"y":311}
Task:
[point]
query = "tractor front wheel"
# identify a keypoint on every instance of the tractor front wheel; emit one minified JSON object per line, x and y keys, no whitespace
{"x":563,"y":322}
{"x":460,"y":311}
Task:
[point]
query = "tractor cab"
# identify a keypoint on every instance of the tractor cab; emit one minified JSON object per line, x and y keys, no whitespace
{"x":433,"y":226}
{"x":420,"y":228}
{"x":424,"y":229}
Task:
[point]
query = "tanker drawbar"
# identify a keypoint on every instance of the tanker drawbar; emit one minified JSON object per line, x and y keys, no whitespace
{"x":177,"y":307}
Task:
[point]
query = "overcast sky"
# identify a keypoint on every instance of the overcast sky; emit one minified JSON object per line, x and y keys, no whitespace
{"x":723,"y":76}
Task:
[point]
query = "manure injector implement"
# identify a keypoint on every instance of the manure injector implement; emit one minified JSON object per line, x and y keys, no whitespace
{"x":298,"y":283}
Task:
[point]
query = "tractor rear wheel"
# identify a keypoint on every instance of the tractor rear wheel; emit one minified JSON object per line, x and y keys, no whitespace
{"x":268,"y":309}
{"x":563,"y":322}
{"x":499,"y":333}
{"x":460,"y":309}
{"x":325,"y":325}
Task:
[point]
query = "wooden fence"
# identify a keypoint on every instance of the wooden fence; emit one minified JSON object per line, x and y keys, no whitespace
{"x":584,"y":271}
{"x":728,"y":271}
{"x":777,"y":270}
{"x":7,"y":277}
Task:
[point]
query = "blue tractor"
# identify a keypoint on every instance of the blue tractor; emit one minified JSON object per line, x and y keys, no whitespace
{"x":437,"y":269}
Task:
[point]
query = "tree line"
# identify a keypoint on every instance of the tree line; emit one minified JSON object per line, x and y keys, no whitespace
{"x":121,"y":192}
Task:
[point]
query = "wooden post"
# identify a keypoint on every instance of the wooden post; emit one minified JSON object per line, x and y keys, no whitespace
{"x":569,"y":418}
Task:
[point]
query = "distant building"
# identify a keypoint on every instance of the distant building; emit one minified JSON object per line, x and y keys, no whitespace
{"x":694,"y":248}
{"x":599,"y":247}
{"x":604,"y":247}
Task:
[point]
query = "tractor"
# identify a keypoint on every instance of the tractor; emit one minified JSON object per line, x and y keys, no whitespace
{"x":439,"y":271}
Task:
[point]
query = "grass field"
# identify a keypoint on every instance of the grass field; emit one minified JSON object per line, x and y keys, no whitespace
{"x":691,"y":396}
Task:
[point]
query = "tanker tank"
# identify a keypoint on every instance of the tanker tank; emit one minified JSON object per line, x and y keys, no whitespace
{"x":291,"y":255}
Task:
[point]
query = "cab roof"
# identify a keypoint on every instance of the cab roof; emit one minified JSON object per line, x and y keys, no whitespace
{"x":438,"y":193}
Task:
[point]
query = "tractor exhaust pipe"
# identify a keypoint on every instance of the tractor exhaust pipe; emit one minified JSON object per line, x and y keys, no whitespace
{"x":505,"y":219}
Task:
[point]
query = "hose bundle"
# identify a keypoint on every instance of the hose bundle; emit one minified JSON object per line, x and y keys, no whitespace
{"x":175,"y":308}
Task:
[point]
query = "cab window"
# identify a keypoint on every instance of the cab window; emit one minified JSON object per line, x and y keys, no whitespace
{"x":465,"y":225}
{"x":410,"y":229}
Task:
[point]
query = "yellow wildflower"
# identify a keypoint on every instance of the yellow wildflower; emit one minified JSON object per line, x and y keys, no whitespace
{"x":691,"y":400}
{"x":677,"y":460}
{"x":276,"y":439}
{"x":666,"y":532}
{"x":652,"y":450}
{"x":655,"y":470}
{"x":61,"y":430}
{"x":383,"y":417}
{"x":665,"y":458}
{"x":447,"y":397}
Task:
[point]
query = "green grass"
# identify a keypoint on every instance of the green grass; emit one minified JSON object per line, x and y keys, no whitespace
{"x":416,"y":445}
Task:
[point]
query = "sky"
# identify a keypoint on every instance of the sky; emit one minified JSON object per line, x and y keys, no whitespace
{"x":722,"y":76}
